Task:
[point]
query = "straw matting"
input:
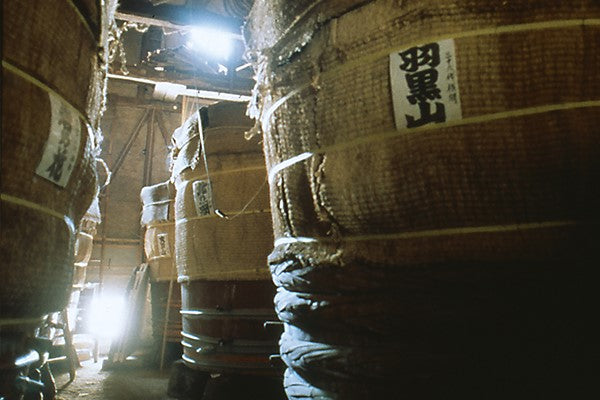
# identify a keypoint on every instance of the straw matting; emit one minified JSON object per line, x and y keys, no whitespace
{"x":449,"y":254}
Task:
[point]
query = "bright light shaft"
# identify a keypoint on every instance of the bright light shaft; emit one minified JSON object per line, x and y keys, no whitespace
{"x":210,"y":41}
{"x":107,"y":316}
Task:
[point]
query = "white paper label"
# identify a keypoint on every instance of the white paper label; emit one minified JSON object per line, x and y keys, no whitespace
{"x":62,"y":146}
{"x":162,"y":239}
{"x":425,"y":85}
{"x":203,"y":198}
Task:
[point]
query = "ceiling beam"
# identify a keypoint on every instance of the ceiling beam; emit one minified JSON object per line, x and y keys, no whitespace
{"x":226,"y":84}
{"x":135,"y":102}
{"x":175,"y":17}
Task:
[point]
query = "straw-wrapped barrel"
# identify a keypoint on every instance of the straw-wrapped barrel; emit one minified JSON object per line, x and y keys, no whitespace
{"x":53,"y":88}
{"x":84,"y":242}
{"x":224,"y":234}
{"x":433,"y":170}
{"x":158,"y":217}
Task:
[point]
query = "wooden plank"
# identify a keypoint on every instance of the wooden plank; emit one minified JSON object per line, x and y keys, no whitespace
{"x":201,"y":81}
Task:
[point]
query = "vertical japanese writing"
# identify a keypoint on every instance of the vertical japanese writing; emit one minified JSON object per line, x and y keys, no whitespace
{"x":424,"y":85}
{"x":163,"y":244}
{"x":56,"y":168}
{"x":451,"y":78}
{"x":420,"y":64}
{"x":202,"y":198}
{"x":62,"y":146}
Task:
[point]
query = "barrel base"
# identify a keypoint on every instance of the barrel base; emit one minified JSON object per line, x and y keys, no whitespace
{"x":223,"y":326}
{"x":186,"y":383}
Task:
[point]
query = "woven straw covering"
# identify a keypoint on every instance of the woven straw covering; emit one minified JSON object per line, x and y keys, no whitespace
{"x":84,"y":242}
{"x":398,"y":251}
{"x":85,"y":237}
{"x":158,"y":216}
{"x":209,"y":246}
{"x":50,"y":52}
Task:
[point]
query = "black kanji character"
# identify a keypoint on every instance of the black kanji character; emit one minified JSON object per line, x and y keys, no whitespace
{"x":448,"y":57}
{"x":55,"y":170}
{"x":426,"y":116}
{"x":422,"y":86}
{"x":65,"y":133}
{"x":415,"y":57}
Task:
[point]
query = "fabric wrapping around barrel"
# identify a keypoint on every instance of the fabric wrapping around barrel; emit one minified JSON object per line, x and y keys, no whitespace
{"x":159,"y":239}
{"x":399,"y":250}
{"x":84,"y":243}
{"x":53,"y":77}
{"x":208,"y":246}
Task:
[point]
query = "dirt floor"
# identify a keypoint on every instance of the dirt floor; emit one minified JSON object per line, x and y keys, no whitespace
{"x":125,"y":383}
{"x":138,"y":381}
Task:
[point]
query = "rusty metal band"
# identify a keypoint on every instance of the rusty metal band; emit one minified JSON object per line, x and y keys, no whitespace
{"x":242,"y":313}
{"x":233,"y":365}
{"x":258,"y":274}
{"x":206,"y":344}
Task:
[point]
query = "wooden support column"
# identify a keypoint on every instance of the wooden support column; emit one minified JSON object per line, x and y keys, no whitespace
{"x":129,"y":143}
{"x":163,"y":131}
{"x":149,"y":150}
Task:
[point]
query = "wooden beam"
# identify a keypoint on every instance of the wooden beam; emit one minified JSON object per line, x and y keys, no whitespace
{"x":168,"y":15}
{"x":138,"y":19}
{"x":149,"y":150}
{"x":163,"y":131}
{"x":128,"y":144}
{"x":200,"y":81}
{"x":135,"y":102}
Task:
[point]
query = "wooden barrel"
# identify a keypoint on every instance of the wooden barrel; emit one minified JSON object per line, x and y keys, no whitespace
{"x":54,"y":58}
{"x":223,"y":235}
{"x":159,"y":293}
{"x":84,"y":242}
{"x":158,"y":216}
{"x":433,"y":172}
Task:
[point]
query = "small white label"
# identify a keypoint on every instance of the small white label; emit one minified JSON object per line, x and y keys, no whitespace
{"x":425,"y":85}
{"x":62,"y":146}
{"x":203,"y":198}
{"x":162,"y":239}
